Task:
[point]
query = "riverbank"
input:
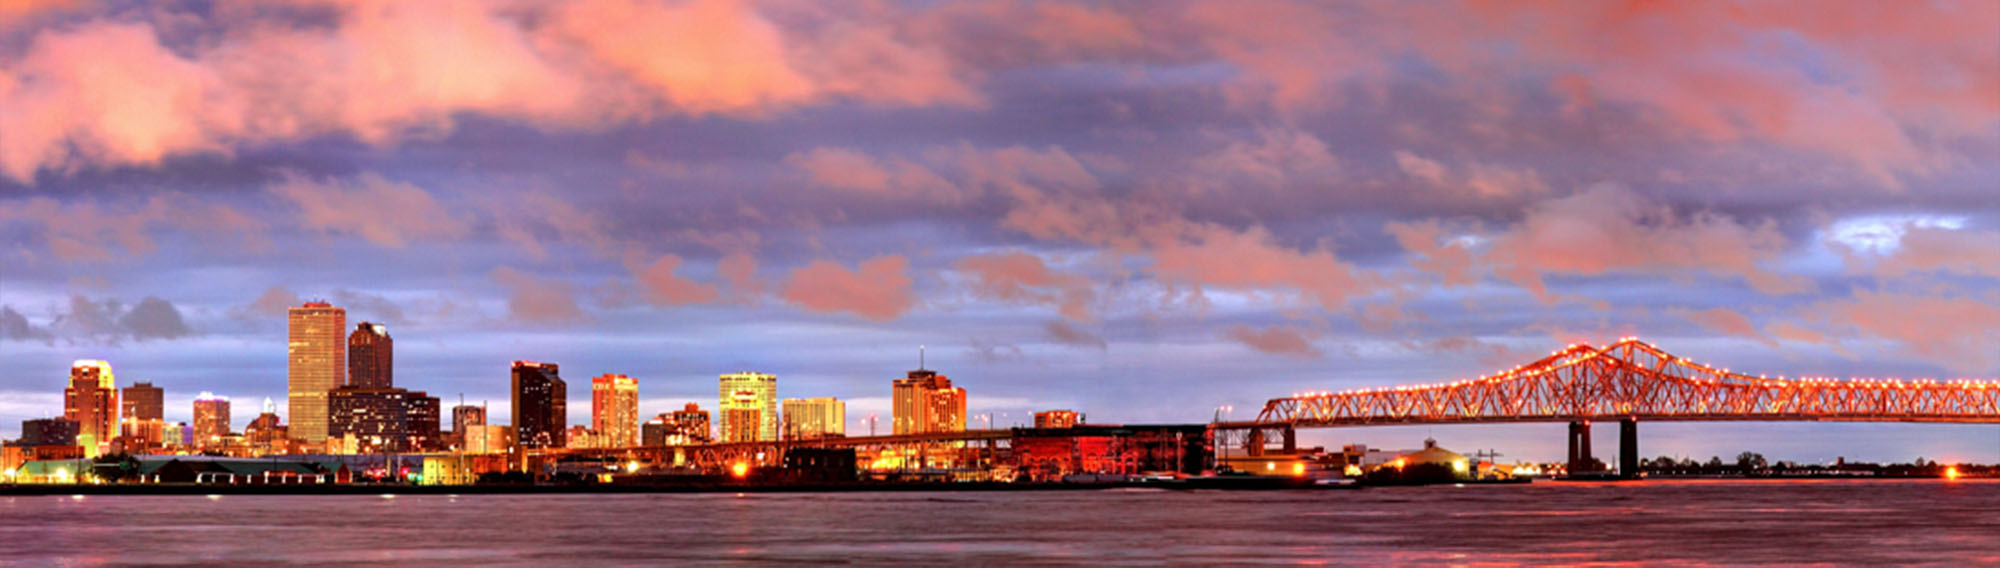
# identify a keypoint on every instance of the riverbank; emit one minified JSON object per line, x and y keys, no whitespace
{"x":616,"y":488}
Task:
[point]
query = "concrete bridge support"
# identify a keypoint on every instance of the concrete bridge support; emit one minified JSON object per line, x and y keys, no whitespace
{"x":1579,"y":447}
{"x":1628,"y":448}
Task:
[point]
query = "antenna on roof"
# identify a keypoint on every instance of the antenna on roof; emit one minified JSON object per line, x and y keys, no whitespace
{"x":920,"y":357}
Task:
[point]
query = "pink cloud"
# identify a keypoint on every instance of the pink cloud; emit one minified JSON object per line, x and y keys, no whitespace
{"x":1957,"y":332}
{"x":877,"y":290}
{"x":1064,"y":333}
{"x":1024,"y":278}
{"x":1727,"y":322}
{"x":1250,"y":260}
{"x":538,"y":300}
{"x":844,"y":168}
{"x":666,"y":288}
{"x":387,"y":213}
{"x":1276,"y":340}
{"x":1921,"y":249}
{"x":1607,"y":229}
{"x":700,"y":57}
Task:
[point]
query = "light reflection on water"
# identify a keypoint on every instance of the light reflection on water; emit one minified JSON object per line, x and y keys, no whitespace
{"x":1654,"y":522}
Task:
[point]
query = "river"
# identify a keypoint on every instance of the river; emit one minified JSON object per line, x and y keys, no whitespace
{"x":1653,"y":522}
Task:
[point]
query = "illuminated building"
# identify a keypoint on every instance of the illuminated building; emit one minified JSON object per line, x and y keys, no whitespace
{"x":141,"y":411}
{"x":316,"y":362}
{"x":1056,"y":419}
{"x":267,"y":434}
{"x":541,"y":405}
{"x":748,"y":407}
{"x":92,"y":403}
{"x":678,"y":428}
{"x":614,"y":409}
{"x":583,"y":438}
{"x":177,"y":434}
{"x":143,"y":401}
{"x":370,"y":357}
{"x":211,"y":419}
{"x":487,"y":439}
{"x":925,"y":402}
{"x":383,"y":419}
{"x":811,"y":418}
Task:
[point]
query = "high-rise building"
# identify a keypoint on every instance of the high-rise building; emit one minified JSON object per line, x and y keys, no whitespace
{"x":371,"y":357}
{"x":466,"y":415}
{"x":92,"y":403}
{"x":678,"y":428}
{"x":614,"y":409}
{"x":316,"y":360}
{"x":541,"y":405}
{"x":813,"y":418}
{"x":487,"y":439}
{"x":925,"y":402}
{"x":143,"y":401}
{"x":1056,"y":419}
{"x":382,"y":419}
{"x":141,"y":413}
{"x":211,"y":419}
{"x":748,"y":407}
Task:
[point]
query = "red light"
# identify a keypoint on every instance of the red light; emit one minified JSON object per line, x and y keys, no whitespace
{"x":739,"y":470}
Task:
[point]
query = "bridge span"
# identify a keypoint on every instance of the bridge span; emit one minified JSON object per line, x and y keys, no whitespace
{"x":1628,"y":381}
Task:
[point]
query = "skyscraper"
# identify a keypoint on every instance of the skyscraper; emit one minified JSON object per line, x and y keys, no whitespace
{"x":811,"y":418}
{"x":144,"y":401}
{"x":92,"y":403}
{"x":316,"y":363}
{"x":211,"y":418}
{"x":370,"y":357}
{"x":924,"y":402}
{"x":614,"y":409}
{"x":541,"y":405}
{"x":142,"y":410}
{"x":748,"y":407}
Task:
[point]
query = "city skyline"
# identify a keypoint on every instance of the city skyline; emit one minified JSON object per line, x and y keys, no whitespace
{"x":1144,"y":212}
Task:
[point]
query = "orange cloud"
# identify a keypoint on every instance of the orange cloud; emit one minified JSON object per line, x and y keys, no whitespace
{"x":877,"y":290}
{"x":665,"y":288}
{"x":387,"y":213}
{"x":1024,"y":278}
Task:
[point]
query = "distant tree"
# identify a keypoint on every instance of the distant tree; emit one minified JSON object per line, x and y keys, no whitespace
{"x":1714,"y":463}
{"x":1748,"y":461}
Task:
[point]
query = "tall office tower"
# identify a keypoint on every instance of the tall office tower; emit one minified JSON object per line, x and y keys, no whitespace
{"x":316,"y":363}
{"x":925,"y":402}
{"x":614,"y":409}
{"x":211,"y":419}
{"x":812,"y":418}
{"x":541,"y":405}
{"x":466,"y":415}
{"x":92,"y":403}
{"x":141,"y":413}
{"x":749,"y":407}
{"x":371,"y":357}
{"x":144,"y":401}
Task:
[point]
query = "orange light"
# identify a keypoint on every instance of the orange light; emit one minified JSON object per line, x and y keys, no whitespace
{"x":739,"y":470}
{"x":1299,"y":469}
{"x":1951,"y":473}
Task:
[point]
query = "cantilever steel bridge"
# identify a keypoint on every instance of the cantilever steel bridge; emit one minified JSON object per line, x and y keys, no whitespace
{"x":1628,"y":381}
{"x":1633,"y":380}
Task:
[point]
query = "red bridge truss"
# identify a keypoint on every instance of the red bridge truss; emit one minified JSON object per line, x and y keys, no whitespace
{"x":1632,"y":379}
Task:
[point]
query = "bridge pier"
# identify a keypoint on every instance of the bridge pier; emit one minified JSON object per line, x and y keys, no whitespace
{"x":1628,"y":448}
{"x":1579,"y":447}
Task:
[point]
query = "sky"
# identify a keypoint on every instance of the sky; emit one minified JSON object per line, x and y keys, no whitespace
{"x":1146,"y":211}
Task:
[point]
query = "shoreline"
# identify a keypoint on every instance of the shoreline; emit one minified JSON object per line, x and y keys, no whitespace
{"x":205,"y":490}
